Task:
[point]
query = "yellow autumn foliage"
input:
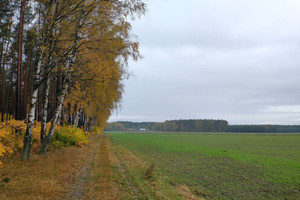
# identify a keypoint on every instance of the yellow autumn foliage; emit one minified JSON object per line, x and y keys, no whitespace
{"x":12,"y":135}
{"x":70,"y":135}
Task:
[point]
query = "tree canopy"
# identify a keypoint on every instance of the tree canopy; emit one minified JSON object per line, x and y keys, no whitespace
{"x":64,"y":61}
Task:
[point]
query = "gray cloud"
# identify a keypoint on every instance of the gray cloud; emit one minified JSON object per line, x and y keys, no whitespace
{"x":223,"y":59}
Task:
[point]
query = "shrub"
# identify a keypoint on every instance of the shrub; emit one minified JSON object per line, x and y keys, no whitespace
{"x":58,"y":144}
{"x":96,"y":130}
{"x":70,"y":135}
{"x":12,"y":134}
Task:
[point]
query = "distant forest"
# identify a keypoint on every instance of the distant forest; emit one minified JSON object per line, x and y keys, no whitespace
{"x":199,"y":125}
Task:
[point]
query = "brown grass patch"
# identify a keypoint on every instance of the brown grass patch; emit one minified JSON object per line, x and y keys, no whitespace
{"x":102,"y":182}
{"x":186,"y":193}
{"x":111,"y":172}
{"x":43,"y":176}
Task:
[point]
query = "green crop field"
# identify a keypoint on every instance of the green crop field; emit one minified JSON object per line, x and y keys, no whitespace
{"x":222,"y":165}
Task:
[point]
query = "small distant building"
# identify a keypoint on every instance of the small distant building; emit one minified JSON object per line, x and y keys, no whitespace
{"x":142,"y":129}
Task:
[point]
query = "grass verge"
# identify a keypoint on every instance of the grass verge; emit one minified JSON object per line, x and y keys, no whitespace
{"x":116,"y":173}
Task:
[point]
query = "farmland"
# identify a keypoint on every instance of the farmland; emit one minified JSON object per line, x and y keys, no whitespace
{"x":222,"y":166}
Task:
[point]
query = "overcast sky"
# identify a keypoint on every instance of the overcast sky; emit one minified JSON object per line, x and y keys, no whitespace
{"x":237,"y":60}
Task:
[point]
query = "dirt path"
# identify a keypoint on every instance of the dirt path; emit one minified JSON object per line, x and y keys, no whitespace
{"x":102,"y":170}
{"x":95,"y":180}
{"x":111,"y":172}
{"x":76,"y":191}
{"x":106,"y":186}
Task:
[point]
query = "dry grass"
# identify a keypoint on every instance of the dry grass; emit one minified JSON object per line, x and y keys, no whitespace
{"x":186,"y":193}
{"x":47,"y":176}
{"x":102,"y":181}
{"x":112,"y":172}
{"x":118,"y":174}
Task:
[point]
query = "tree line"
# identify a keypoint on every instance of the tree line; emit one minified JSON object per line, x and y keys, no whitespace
{"x":63,"y":61}
{"x":190,"y":125}
{"x":264,"y":128}
{"x":199,"y":126}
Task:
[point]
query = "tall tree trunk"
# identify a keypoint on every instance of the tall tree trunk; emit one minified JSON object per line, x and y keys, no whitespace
{"x":77,"y":117}
{"x":38,"y":107}
{"x":25,"y":95}
{"x":59,"y":117}
{"x":66,"y":75}
{"x":3,"y":93}
{"x":32,"y":107}
{"x":11,"y":90}
{"x":69,"y":114}
{"x":1,"y":54}
{"x":45,"y":110}
{"x":20,"y":59}
{"x":54,"y":120}
{"x":85,"y":125}
{"x":4,"y":79}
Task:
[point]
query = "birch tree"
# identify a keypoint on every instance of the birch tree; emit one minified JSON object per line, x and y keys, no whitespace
{"x":45,"y":34}
{"x":79,"y":28}
{"x":89,"y":21}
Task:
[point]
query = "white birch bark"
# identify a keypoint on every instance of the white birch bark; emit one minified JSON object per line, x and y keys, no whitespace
{"x":77,"y":117}
{"x":45,"y":111}
{"x":86,"y":122}
{"x":31,"y":113}
{"x":59,"y":118}
{"x":69,"y":65}
{"x":54,"y":120}
{"x":60,"y":100}
{"x":34,"y":97}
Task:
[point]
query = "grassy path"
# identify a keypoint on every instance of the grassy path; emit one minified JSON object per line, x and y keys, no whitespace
{"x":101,"y":170}
{"x":116,"y":173}
{"x":76,"y":191}
{"x":100,"y":183}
